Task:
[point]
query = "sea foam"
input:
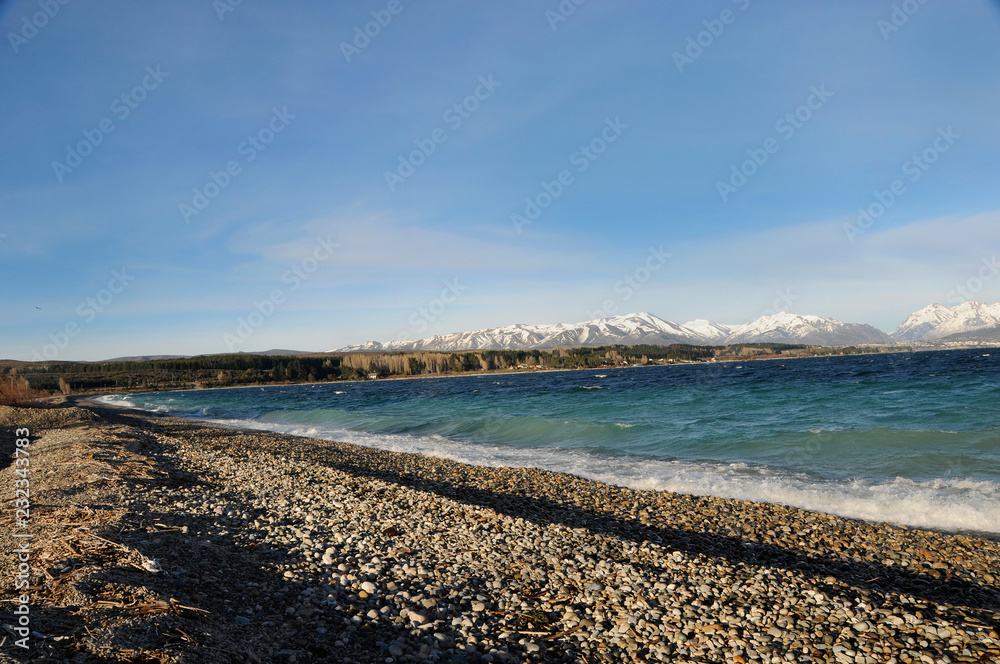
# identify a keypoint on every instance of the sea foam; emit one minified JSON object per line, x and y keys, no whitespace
{"x":945,"y":504}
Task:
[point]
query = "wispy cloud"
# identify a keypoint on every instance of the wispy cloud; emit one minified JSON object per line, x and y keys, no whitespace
{"x":323,"y":177}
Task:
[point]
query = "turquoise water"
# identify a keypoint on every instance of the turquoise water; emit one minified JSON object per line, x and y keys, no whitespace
{"x":911,"y":438}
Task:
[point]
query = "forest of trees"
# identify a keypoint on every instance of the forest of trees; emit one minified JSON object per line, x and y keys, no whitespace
{"x":246,"y":369}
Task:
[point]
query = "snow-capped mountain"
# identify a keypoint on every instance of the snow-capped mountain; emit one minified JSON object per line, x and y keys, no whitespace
{"x":937,"y":322}
{"x":644,"y":328}
{"x":711,"y":332}
{"x":797,"y":329}
{"x":918,"y":324}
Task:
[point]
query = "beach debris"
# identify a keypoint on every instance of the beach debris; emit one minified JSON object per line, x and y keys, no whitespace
{"x":298,"y":548}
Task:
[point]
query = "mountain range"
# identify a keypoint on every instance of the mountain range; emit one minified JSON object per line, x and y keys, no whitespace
{"x":969,"y":321}
{"x":938,"y":322}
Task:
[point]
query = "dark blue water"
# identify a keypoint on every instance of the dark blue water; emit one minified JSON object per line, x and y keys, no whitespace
{"x":908,"y":437}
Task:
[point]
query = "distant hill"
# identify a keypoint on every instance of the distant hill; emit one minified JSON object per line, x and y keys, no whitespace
{"x":644,"y":328}
{"x":985,"y":336}
{"x":281,"y":351}
{"x":145,"y":358}
{"x":269,"y":353}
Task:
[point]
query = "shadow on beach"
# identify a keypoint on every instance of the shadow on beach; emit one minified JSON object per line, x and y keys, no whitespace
{"x":853,"y":577}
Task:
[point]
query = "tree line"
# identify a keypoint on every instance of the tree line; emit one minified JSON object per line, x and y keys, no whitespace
{"x":247,"y":369}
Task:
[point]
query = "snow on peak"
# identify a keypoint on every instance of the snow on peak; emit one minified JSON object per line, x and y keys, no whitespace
{"x":644,"y":328}
{"x":713,"y":332}
{"x":634,"y":328}
{"x":786,"y":327}
{"x":936,"y":321}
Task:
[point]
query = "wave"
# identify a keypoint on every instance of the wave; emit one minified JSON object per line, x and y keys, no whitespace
{"x":920,"y":457}
{"x":127,"y":401}
{"x":954,"y":504}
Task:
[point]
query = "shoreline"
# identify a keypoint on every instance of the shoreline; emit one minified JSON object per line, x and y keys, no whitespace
{"x":979,"y":534}
{"x":305,"y":550}
{"x":508,"y":372}
{"x":839,"y":500}
{"x":497,"y":372}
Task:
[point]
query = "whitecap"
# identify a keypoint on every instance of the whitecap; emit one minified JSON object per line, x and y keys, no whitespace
{"x":958,"y":504}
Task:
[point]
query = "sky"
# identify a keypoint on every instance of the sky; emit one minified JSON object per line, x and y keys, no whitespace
{"x":214,"y":176}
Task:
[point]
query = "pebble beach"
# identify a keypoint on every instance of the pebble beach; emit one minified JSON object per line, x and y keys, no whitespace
{"x":160,"y":539}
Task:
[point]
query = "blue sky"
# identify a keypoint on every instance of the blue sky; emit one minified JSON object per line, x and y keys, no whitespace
{"x":116,"y":119}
